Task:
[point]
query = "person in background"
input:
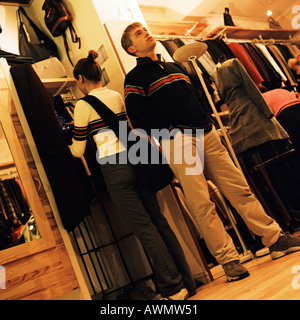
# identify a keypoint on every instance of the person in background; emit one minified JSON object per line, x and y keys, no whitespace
{"x":294,"y":64}
{"x":286,"y":108}
{"x":128,"y":189}
{"x":159,"y":95}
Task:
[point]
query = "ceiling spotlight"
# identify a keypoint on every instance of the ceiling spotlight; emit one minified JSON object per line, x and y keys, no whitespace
{"x":269,"y":13}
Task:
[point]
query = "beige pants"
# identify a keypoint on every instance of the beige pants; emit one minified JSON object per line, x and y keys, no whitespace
{"x":220,"y":169}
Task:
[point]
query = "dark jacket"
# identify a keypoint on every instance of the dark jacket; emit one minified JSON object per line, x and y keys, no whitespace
{"x":251,"y":119}
{"x":56,"y":158}
{"x":160,"y":95}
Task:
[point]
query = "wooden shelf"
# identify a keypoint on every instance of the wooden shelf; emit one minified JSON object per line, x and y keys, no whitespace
{"x":179,"y":28}
{"x":249,"y":33}
{"x":58,"y":85}
{"x":23,"y":3}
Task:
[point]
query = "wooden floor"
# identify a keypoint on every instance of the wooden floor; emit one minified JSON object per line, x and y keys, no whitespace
{"x":269,"y":280}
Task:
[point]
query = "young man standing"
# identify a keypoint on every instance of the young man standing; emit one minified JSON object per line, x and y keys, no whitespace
{"x":159,"y":95}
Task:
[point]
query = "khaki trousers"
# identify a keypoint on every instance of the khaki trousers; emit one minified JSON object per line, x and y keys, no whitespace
{"x":212,"y":156}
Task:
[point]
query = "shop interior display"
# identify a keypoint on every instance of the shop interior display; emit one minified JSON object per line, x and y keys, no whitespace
{"x":75,"y":190}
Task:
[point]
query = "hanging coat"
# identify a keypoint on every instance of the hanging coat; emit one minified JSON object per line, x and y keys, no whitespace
{"x":252,"y":122}
{"x":56,"y":158}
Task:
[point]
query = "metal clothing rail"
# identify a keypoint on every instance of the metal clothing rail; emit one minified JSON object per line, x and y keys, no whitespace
{"x":224,"y":37}
{"x":260,"y":40}
{"x":174,"y":36}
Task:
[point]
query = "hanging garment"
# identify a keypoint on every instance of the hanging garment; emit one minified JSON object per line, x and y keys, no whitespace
{"x":250,"y":116}
{"x":294,"y":49}
{"x":286,"y":53}
{"x":271,"y":77}
{"x":217,"y":48}
{"x":208,"y":64}
{"x":273,"y":180}
{"x":286,"y":108}
{"x":5,"y":233}
{"x":56,"y":158}
{"x":279,"y":99}
{"x":241,"y":54}
{"x":269,"y":57}
{"x":275,"y":52}
{"x":8,"y":206}
{"x":160,"y":49}
{"x":171,"y":46}
{"x":17,"y":200}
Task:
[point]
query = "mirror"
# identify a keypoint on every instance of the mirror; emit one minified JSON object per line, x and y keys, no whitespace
{"x":17,"y":224}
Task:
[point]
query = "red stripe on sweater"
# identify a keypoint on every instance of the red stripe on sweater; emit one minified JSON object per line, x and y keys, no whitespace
{"x":171,"y":78}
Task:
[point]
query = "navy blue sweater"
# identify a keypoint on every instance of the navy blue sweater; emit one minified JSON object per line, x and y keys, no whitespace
{"x":160,"y":95}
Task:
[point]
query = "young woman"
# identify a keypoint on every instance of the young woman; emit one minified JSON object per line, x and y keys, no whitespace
{"x":128,"y":189}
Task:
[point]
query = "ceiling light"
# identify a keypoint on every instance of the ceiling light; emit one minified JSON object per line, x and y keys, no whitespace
{"x":269,"y":13}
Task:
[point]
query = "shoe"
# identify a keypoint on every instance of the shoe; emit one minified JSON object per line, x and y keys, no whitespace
{"x":181,"y":295}
{"x":235,"y":271}
{"x":284,"y":245}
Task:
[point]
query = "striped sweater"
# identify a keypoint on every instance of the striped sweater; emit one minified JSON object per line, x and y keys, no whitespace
{"x":160,"y":95}
{"x":88,"y":122}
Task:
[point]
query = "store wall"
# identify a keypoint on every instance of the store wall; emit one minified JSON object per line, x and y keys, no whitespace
{"x":87,"y":23}
{"x":9,"y":35}
{"x":116,"y":15}
{"x":212,"y":20}
{"x":290,"y":19}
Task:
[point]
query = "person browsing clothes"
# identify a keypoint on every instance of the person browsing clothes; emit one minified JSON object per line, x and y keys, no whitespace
{"x":159,"y":95}
{"x":128,"y":189}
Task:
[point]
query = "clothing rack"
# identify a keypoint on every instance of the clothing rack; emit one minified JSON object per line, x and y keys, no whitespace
{"x":9,"y":175}
{"x":224,"y":37}
{"x":5,"y":174}
{"x":259,"y":40}
{"x":251,"y":33}
{"x":173,"y":37}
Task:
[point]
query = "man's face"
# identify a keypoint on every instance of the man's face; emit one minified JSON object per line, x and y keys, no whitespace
{"x":142,"y":42}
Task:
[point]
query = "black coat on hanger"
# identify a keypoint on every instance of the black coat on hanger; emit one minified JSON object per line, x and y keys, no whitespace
{"x":56,"y":158}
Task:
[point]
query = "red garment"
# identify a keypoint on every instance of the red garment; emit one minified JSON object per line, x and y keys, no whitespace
{"x":241,"y":54}
{"x":279,"y":99}
{"x":16,"y":233}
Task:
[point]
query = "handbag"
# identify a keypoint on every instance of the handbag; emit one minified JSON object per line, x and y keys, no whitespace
{"x":227,"y":18}
{"x":58,"y":20}
{"x":273,"y":24}
{"x":158,"y":175}
{"x":45,"y":49}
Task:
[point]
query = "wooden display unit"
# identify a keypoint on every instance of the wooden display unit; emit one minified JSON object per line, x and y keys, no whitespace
{"x":40,"y":269}
{"x":58,"y":85}
{"x":25,"y":3}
